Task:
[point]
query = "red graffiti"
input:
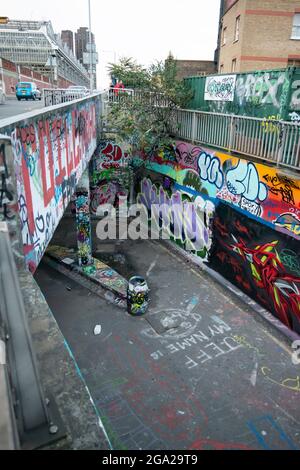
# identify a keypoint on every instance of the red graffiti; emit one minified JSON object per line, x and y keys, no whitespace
{"x":46,"y":167}
{"x":241,"y":228}
{"x":270,"y":274}
{"x":57,"y":130}
{"x":207,"y":444}
{"x":113,"y":152}
{"x":221,"y":227}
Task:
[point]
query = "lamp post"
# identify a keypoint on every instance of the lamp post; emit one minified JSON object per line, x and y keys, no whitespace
{"x":91,"y":49}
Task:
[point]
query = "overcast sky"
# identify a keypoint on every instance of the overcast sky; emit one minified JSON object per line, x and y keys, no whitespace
{"x":144,"y":30}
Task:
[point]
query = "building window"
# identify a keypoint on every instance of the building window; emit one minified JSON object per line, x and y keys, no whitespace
{"x":296,"y":27}
{"x":233,"y":65}
{"x":237,"y":29}
{"x":224,"y":36}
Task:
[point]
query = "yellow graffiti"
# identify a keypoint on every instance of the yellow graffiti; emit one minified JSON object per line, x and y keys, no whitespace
{"x":270,"y":126}
{"x":289,"y":383}
{"x":99,"y":265}
{"x":242,"y":340}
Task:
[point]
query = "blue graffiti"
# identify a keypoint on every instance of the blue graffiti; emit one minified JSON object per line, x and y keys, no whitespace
{"x":210,"y":169}
{"x":243,"y":180}
{"x":270,"y":435}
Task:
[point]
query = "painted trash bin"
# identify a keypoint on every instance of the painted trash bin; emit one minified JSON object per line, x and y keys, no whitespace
{"x":137,"y":296}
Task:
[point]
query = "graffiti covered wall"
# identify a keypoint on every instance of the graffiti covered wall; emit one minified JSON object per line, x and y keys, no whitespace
{"x":261,"y":192}
{"x":110,"y":175}
{"x":189,"y":226}
{"x":261,"y":262}
{"x":264,"y":94}
{"x":249,"y":220}
{"x":51,"y":152}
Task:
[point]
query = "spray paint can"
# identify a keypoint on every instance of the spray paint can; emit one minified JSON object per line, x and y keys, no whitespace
{"x":137,"y":296}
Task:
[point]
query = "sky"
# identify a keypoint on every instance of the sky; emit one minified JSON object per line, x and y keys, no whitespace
{"x":144,"y":30}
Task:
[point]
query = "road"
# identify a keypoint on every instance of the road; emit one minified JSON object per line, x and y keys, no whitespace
{"x":199,"y":371}
{"x":13,"y":107}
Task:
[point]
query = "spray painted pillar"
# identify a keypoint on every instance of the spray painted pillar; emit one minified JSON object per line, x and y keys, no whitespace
{"x":83,"y":221}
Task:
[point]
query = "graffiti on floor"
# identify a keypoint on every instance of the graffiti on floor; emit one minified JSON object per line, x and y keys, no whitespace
{"x":50,"y":156}
{"x":270,"y":435}
{"x":185,"y":333}
{"x":255,"y":258}
{"x":292,"y":384}
{"x":257,"y":190}
{"x":107,"y":277}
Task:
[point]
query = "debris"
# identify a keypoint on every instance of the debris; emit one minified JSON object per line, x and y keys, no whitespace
{"x":68,"y":261}
{"x":97,"y":330}
{"x":110,"y":297}
{"x":69,"y":288}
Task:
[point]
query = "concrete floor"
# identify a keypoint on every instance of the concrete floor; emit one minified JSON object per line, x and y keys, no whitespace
{"x":199,"y":371}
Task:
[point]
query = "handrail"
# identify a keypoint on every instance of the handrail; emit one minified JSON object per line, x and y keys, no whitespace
{"x":271,"y":140}
{"x":9,"y":439}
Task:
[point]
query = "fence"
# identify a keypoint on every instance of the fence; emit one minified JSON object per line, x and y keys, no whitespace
{"x":128,"y":94}
{"x":61,"y":95}
{"x":271,"y":140}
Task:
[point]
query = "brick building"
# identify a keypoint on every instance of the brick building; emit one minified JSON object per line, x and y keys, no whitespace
{"x":259,"y":35}
{"x":188,"y":68}
{"x":67,"y":37}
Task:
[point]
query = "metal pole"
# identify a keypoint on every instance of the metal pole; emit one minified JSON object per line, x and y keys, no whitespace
{"x":91,"y":50}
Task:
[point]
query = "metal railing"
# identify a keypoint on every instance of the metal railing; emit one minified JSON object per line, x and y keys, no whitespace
{"x":271,"y":140}
{"x":128,"y":94}
{"x":60,"y":95}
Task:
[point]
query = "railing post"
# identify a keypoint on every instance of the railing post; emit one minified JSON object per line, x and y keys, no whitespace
{"x":194,"y":127}
{"x":282,"y":140}
{"x":232,"y":133}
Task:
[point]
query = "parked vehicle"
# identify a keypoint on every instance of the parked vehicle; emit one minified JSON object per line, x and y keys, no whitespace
{"x":77,"y":91}
{"x":28,"y":91}
{"x":2,"y":94}
{"x":38,"y":94}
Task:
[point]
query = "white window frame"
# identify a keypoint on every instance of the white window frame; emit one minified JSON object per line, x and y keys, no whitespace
{"x":224,"y":36}
{"x":233,"y":62}
{"x":296,"y":27}
{"x":237,"y":28}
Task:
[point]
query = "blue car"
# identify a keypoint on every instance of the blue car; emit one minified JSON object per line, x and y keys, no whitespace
{"x":28,"y":91}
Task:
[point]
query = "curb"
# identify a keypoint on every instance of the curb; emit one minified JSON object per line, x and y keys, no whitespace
{"x":86,"y":282}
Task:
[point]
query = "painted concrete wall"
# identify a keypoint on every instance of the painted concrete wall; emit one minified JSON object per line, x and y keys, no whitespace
{"x":110,"y":176}
{"x":249,"y":220}
{"x":51,"y":150}
{"x":271,"y":94}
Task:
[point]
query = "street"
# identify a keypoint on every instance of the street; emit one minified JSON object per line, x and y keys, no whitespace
{"x":13,"y":107}
{"x":200,"y":371}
